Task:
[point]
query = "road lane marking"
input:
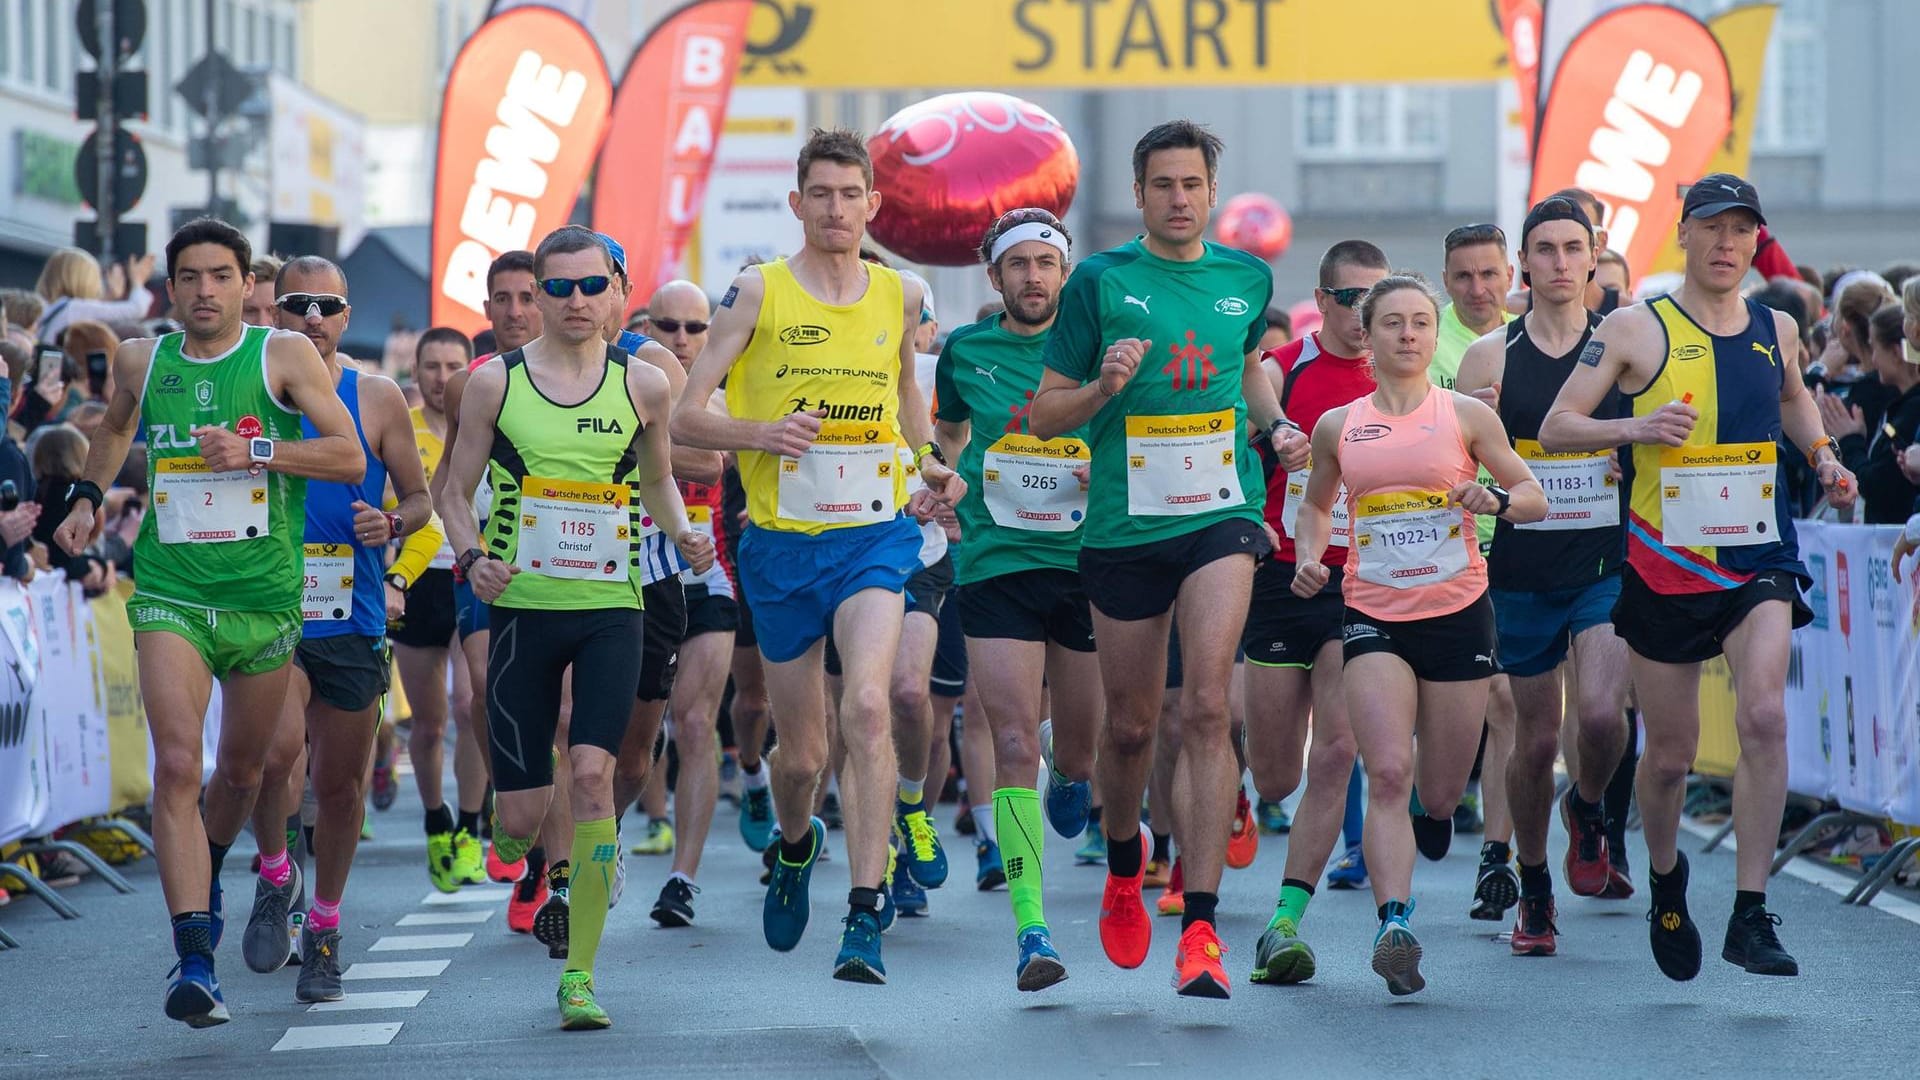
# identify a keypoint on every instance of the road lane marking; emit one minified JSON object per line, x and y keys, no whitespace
{"x":372,"y":999}
{"x":410,"y":942}
{"x":395,"y":969}
{"x":469,"y":896}
{"x":334,"y":1036}
{"x":444,"y":918}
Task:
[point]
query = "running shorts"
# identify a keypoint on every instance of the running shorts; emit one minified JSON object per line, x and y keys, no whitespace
{"x":1537,"y":628}
{"x":709,"y":613}
{"x":347,"y":671}
{"x":1028,"y":605}
{"x":666,"y":628}
{"x":1141,"y":581}
{"x":796,"y":582}
{"x":470,"y":615}
{"x":229,"y":642}
{"x":528,"y":653}
{"x":949,"y":675}
{"x":1693,"y":628}
{"x":1446,"y":648}
{"x":429,"y":618}
{"x":1284,"y":630}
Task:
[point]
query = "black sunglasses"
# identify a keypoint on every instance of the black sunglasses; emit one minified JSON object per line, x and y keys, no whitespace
{"x":1346,"y":297}
{"x":672,"y":326}
{"x":302,"y":305}
{"x":562,"y":287}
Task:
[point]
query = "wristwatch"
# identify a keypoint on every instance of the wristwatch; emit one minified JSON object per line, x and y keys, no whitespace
{"x":260,"y":451}
{"x":396,"y":525}
{"x":1283,"y":422}
{"x":1500,"y":494}
{"x":397,"y":582}
{"x":466,"y":560}
{"x":930,"y":450}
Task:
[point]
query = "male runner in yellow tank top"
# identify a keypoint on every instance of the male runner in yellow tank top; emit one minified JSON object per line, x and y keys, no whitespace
{"x":817,"y":352}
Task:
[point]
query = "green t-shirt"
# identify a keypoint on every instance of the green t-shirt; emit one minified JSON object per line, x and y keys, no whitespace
{"x":1168,"y":456}
{"x":1023,"y":509}
{"x":1454,"y":339}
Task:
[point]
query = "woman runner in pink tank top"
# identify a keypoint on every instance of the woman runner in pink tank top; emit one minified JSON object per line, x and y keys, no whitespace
{"x":1419,"y":632}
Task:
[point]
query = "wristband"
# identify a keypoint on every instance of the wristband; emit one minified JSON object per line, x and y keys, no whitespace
{"x":1824,"y":442}
{"x":931,"y":450}
{"x":84,"y":489}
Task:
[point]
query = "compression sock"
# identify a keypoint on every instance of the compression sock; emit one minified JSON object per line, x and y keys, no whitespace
{"x":596,"y":844}
{"x":1535,"y":880}
{"x":1123,"y":856}
{"x":1294,"y":897}
{"x":192,"y":933}
{"x":1016,"y":819}
{"x":1356,"y":814}
{"x":276,"y":869}
{"x":1162,"y":847}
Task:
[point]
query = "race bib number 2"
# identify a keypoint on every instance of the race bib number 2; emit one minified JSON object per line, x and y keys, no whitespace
{"x":1178,"y":465}
{"x":574,"y":530}
{"x":194,"y":505}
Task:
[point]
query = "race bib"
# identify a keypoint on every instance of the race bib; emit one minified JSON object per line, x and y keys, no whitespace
{"x":574,"y":530}
{"x":1179,"y":465}
{"x":846,"y":478}
{"x":1029,"y":484}
{"x":328,"y":593}
{"x":1719,"y":495}
{"x":1297,"y":494}
{"x":1405,"y":539}
{"x":193,"y":505}
{"x":1581,"y":492}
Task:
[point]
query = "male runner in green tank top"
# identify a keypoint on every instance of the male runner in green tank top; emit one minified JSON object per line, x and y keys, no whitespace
{"x":221,"y":560}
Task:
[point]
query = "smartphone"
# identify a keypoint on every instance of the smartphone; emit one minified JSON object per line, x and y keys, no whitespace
{"x":9,"y":496}
{"x":50,"y":362}
{"x":97,"y":373}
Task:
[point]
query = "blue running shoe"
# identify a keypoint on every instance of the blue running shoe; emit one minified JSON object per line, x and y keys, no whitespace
{"x":756,"y":818}
{"x":1093,"y":852}
{"x":859,"y":959}
{"x":193,"y":994}
{"x":920,"y":853}
{"x":1273,"y":818}
{"x":1350,"y":872}
{"x":1068,"y":801}
{"x":784,"y":916}
{"x":908,"y":896}
{"x":992,"y":873}
{"x":1039,"y":965}
{"x":1396,"y":952}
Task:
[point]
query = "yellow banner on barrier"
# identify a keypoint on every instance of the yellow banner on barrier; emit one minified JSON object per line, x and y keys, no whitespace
{"x":1008,"y":44}
{"x":127,"y":737}
{"x":1719,"y":748}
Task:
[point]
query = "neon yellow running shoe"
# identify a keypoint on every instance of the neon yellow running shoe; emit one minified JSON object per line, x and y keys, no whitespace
{"x":658,"y":839}
{"x":469,"y":862}
{"x":578,"y":1009}
{"x":440,"y":866}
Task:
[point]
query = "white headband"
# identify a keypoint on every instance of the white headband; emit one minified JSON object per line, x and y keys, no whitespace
{"x":1029,"y":230}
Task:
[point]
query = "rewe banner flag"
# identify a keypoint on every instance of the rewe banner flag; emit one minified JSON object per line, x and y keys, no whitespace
{"x":1639,"y":104}
{"x":526,"y":104}
{"x":651,"y":179}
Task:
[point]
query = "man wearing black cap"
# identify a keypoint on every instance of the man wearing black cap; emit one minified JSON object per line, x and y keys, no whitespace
{"x":1554,"y":582}
{"x":1712,"y":565}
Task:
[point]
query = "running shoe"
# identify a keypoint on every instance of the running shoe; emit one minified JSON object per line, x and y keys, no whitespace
{"x":579,"y":1011}
{"x":909,"y":897}
{"x":783,"y":917}
{"x":296,"y":928}
{"x":216,"y":911}
{"x":319,"y":967}
{"x":756,"y":817}
{"x":1496,"y":889}
{"x":506,"y":873}
{"x":1433,"y":836}
{"x":384,"y":787}
{"x":1670,"y":929}
{"x":1068,"y":801}
{"x":963,"y":816}
{"x":264,"y":944}
{"x":1466,"y":816}
{"x":1350,"y":872}
{"x":859,"y":959}
{"x":1587,"y":866}
{"x":1396,"y":952}
{"x":920,"y":853}
{"x":1125,"y":931}
{"x":1039,"y":966}
{"x":1534,"y":933}
{"x":1243,"y":843}
{"x":1281,"y":958}
{"x":1752,"y":944}
{"x":991,"y":873}
{"x":529,"y":893}
{"x":1273,"y":818}
{"x":366,"y":828}
{"x":1173,"y":898}
{"x":1157,"y":873}
{"x":729,"y":777}
{"x":1197,"y":971}
{"x":1093,"y":848}
{"x":1619,"y":878}
{"x":658,"y":839}
{"x":830,"y":810}
{"x":440,"y":862}
{"x":468,"y":860}
{"x":889,"y":911}
{"x":550,"y":923}
{"x":193,"y":993}
{"x":675,"y":906}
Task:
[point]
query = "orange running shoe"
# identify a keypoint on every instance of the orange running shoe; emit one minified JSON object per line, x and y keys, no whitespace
{"x":1243,"y":843}
{"x":528,"y":894}
{"x":506,"y":873}
{"x":1157,"y":871}
{"x":1173,"y":899}
{"x":1125,"y":931}
{"x":1197,"y":971}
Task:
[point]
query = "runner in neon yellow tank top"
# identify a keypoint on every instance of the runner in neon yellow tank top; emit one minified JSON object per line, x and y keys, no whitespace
{"x":220,"y":559}
{"x":817,"y":354}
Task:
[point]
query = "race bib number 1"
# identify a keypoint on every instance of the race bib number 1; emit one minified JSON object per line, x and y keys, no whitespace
{"x":193,"y":505}
{"x":1029,"y":483}
{"x":1581,"y":490}
{"x":1408,"y":538}
{"x":1719,"y":495}
{"x":845,"y":478}
{"x":1178,"y":465}
{"x":574,"y":530}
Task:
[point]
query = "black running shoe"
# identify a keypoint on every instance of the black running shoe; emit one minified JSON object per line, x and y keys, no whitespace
{"x":1670,"y":930}
{"x":1752,"y":944}
{"x":675,"y":906}
{"x":1496,"y":889}
{"x":1433,"y":836}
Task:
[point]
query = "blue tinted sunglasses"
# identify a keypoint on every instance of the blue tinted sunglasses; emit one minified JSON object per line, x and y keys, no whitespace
{"x":560,"y":287}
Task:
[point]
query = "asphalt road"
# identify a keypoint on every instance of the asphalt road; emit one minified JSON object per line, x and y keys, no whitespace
{"x":83,"y":997}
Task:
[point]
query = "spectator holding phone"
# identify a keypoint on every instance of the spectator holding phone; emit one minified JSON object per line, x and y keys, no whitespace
{"x":18,"y":517}
{"x":73,"y":287}
{"x":1874,"y":455}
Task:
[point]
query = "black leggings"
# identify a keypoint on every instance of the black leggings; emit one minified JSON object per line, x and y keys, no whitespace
{"x":529,"y":652}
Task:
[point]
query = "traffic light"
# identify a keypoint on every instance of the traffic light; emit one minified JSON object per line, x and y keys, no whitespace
{"x":111,"y":169}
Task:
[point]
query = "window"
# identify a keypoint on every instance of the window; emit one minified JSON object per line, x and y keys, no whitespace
{"x":29,"y":44}
{"x":1791,"y":114}
{"x":6,"y":40}
{"x":1400,"y":121}
{"x":250,"y":41}
{"x":52,"y":27}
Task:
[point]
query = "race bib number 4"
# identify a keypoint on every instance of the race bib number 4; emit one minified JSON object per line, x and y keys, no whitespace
{"x":194,"y":505}
{"x":1297,"y":495}
{"x":1405,"y":539}
{"x":328,"y":592}
{"x":1029,"y":483}
{"x":1719,"y":495}
{"x":846,"y":478}
{"x":1581,"y":490}
{"x":1179,"y":465}
{"x":574,"y":530}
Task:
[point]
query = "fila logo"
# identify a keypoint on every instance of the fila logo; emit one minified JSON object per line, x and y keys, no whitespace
{"x":597,"y":425}
{"x":1141,"y":301}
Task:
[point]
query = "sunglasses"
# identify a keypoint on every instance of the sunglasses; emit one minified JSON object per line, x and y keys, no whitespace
{"x":674,"y":326}
{"x":1345,"y":297}
{"x":305,"y":305}
{"x":562,"y":287}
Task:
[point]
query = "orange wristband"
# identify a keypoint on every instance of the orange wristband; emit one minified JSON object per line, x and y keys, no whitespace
{"x":1823,"y":442}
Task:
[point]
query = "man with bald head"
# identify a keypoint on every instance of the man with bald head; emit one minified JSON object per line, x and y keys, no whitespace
{"x":677,"y":317}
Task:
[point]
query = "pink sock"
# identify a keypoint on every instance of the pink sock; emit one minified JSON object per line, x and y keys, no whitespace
{"x":325,"y":914}
{"x":276,"y":869}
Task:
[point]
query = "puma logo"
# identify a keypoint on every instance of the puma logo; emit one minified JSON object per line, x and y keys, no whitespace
{"x":1766,"y":351}
{"x":987,"y":373}
{"x":1141,"y":301}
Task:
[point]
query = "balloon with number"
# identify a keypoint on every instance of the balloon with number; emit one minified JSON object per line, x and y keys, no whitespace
{"x":948,"y":166}
{"x":1255,"y":223}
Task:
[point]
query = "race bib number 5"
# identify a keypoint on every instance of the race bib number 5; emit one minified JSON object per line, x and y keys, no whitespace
{"x":574,"y":530}
{"x":1028,"y":483}
{"x":1179,"y":465}
{"x":1405,"y":539}
{"x":1581,"y":491}
{"x":194,"y":505}
{"x":1719,"y":495}
{"x":846,"y":478}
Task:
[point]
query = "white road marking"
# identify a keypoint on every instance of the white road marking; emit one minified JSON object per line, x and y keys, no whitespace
{"x":1825,"y":877}
{"x":372,"y":999}
{"x":395,"y":969}
{"x":444,"y":918}
{"x":407,"y":942}
{"x":334,"y":1036}
{"x":469,"y":895}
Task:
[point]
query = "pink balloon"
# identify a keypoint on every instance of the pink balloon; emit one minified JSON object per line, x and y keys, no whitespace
{"x":1255,"y":223}
{"x":1306,"y":318}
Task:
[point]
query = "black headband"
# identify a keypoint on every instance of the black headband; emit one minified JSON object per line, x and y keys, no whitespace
{"x":1553,"y":208}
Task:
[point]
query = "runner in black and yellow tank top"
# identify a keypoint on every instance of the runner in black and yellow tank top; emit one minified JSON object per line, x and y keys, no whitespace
{"x":1712,"y":562}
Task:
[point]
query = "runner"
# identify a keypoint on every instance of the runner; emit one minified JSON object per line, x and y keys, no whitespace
{"x":827,"y":548}
{"x":1027,"y":624}
{"x":1554,"y":583}
{"x":333,"y":702}
{"x":1174,"y":514}
{"x":220,"y":406}
{"x":1419,"y":633}
{"x":1293,"y":644}
{"x":1713,"y":563}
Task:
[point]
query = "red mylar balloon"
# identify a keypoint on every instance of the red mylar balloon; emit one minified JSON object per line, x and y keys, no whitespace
{"x":1256,"y":223}
{"x":948,"y":166}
